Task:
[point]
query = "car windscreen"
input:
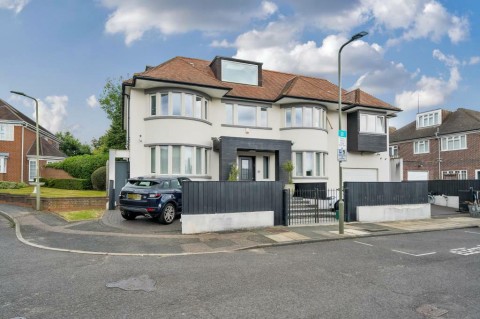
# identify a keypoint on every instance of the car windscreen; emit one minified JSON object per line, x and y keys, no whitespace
{"x":142,"y":183}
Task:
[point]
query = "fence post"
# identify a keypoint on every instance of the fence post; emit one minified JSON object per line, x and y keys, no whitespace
{"x":286,"y":206}
{"x":111,"y":196}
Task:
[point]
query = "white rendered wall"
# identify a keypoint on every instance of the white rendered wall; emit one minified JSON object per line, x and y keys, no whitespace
{"x":373,"y":214}
{"x":204,"y":223}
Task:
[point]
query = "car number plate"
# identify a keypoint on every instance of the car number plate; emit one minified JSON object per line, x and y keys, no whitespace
{"x":134,"y":196}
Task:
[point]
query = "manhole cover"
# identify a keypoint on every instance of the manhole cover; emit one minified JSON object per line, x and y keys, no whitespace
{"x":134,"y":283}
{"x":431,"y":311}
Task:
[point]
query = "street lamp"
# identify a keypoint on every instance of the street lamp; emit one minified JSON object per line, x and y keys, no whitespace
{"x":341,"y":214}
{"x":37,"y":183}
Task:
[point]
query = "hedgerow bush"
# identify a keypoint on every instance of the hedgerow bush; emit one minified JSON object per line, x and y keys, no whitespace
{"x":11,"y":185}
{"x":73,"y":183}
{"x":81,"y":166}
{"x":99,"y":178}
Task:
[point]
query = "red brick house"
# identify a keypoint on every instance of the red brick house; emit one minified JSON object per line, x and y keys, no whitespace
{"x":439,"y":144}
{"x":18,"y":147}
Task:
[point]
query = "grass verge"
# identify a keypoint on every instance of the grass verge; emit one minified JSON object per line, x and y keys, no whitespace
{"x":81,"y":215}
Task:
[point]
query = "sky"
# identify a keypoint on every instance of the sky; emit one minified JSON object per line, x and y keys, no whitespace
{"x":418,"y":54}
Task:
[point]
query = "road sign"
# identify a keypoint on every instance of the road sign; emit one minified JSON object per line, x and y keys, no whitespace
{"x":342,"y":146}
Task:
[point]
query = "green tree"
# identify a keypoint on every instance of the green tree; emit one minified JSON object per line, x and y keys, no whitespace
{"x":111,"y":102}
{"x":71,"y":146}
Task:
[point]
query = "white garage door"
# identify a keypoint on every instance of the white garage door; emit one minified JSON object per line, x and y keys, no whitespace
{"x":360,"y":175}
{"x":417,"y":175}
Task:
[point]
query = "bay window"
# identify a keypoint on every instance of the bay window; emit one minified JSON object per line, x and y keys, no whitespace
{"x":179,"y":159}
{"x":305,"y":116}
{"x":179,"y":104}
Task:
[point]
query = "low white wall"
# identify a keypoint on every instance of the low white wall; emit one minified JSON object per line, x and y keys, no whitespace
{"x":448,"y":201}
{"x":393,"y":212}
{"x":204,"y":223}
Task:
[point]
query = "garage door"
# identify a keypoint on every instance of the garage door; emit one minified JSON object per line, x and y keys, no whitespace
{"x":417,"y":175}
{"x":360,"y":175}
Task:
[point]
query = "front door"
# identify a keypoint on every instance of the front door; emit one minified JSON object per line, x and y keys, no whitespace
{"x":247,"y":168}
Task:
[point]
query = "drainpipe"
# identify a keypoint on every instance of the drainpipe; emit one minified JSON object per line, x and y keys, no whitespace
{"x":22,"y":161}
{"x":127,"y":136}
{"x":439,"y":157}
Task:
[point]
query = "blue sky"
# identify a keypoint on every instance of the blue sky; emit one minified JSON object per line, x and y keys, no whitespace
{"x":419,"y":52}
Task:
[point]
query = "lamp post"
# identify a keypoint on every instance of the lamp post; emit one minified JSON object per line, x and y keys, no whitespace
{"x":37,"y":177}
{"x":341,"y":214}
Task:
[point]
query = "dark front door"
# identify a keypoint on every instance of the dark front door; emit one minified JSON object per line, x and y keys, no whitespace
{"x":247,"y":168}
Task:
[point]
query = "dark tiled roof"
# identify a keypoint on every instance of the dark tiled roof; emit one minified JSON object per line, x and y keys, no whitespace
{"x":275,"y":85}
{"x":462,"y":120}
{"x":8,"y":112}
{"x":46,"y":149}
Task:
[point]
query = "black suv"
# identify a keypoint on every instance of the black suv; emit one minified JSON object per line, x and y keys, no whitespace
{"x":154,"y":197}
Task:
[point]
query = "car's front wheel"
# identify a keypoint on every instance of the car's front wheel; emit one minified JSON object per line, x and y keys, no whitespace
{"x":167,"y":216}
{"x":128,"y":215}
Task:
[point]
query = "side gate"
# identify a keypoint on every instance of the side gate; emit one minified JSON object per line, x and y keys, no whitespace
{"x":310,"y":206}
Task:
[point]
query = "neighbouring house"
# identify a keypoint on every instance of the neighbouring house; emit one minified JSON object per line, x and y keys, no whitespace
{"x":439,"y":144}
{"x":197,"y":118}
{"x":18,"y":147}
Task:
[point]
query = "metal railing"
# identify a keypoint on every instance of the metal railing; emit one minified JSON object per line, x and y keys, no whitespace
{"x":310,"y":206}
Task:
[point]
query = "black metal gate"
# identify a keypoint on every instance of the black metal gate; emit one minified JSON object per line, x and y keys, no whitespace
{"x":310,"y":206}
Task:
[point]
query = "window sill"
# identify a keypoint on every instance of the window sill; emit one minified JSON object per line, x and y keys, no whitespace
{"x":303,"y":128}
{"x":244,"y":126}
{"x":310,"y":177}
{"x":175,"y":117}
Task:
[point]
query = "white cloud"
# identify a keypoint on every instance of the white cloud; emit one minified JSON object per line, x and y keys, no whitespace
{"x":134,"y":18}
{"x":15,"y":5}
{"x":474,"y":60}
{"x":52,"y":112}
{"x":431,"y":91}
{"x":221,"y":44}
{"x":384,"y":80}
{"x":92,"y":101}
{"x":278,"y":48}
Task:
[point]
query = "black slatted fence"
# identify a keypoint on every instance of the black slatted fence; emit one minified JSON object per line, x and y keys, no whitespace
{"x":451,"y":187}
{"x":382,"y":193}
{"x":216,"y":197}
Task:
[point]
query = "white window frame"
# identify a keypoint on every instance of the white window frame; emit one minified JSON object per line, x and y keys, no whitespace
{"x":7,"y":132}
{"x":160,"y":108}
{"x":3,"y":164}
{"x":445,"y":140}
{"x":368,"y":127}
{"x":30,"y":173}
{"x":459,"y":172}
{"x":429,"y":119}
{"x":318,"y":117}
{"x":197,"y":168}
{"x":153,"y":97}
{"x":393,"y":151}
{"x":477,"y":174}
{"x":317,"y":171}
{"x":234,"y":119}
{"x":425,"y":147}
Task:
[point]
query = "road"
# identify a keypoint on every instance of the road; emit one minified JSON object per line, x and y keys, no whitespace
{"x":404,"y":276}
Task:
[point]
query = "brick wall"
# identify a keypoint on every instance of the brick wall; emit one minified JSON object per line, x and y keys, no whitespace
{"x":56,"y":204}
{"x":14,"y":161}
{"x":468,"y":159}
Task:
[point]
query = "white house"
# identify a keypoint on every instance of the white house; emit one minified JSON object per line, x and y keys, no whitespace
{"x":196,"y":118}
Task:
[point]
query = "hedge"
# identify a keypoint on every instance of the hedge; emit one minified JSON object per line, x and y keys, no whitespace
{"x":73,"y":183}
{"x":11,"y":185}
{"x":99,"y":178}
{"x":81,"y":166}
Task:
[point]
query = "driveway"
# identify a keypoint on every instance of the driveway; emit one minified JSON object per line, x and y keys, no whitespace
{"x":439,"y":211}
{"x":142,"y":225}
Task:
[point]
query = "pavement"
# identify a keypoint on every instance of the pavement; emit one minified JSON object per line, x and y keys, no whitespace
{"x":112,"y":235}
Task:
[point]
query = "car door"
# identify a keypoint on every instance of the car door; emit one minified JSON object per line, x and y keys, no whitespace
{"x":177,"y":192}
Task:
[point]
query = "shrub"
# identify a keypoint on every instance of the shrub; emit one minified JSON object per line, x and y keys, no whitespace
{"x":73,"y":183}
{"x":233,"y":176}
{"x":11,"y":185}
{"x":81,"y":166}
{"x":99,"y":178}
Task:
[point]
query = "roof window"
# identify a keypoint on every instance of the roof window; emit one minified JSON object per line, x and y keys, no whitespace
{"x":428,"y":119}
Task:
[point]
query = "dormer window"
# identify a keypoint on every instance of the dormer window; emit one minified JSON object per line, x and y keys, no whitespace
{"x":237,"y":71}
{"x":429,"y":119}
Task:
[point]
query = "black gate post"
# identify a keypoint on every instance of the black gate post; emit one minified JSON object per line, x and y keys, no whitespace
{"x":286,"y":206}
